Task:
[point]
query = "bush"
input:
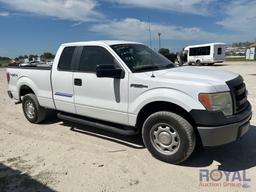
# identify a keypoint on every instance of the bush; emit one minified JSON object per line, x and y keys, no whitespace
{"x":166,"y":52}
{"x":172,"y":57}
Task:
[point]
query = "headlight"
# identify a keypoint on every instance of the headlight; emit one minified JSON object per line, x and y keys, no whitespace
{"x":217,"y":102}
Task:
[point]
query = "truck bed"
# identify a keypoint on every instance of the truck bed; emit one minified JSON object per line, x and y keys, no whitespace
{"x":39,"y":79}
{"x":29,"y":66}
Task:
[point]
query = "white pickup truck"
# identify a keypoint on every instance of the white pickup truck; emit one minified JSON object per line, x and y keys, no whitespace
{"x":127,"y":88}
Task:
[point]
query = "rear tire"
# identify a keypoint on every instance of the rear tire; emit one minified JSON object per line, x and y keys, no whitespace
{"x":198,"y":63}
{"x":168,"y":136}
{"x":32,"y":110}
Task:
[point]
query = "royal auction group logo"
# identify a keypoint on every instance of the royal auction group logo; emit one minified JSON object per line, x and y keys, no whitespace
{"x":218,"y":178}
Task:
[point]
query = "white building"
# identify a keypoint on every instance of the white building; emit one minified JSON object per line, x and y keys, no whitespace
{"x":251,"y":52}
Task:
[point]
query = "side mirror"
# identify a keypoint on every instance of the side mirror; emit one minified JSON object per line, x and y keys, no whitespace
{"x":109,"y":71}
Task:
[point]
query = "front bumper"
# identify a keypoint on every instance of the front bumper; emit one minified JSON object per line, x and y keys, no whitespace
{"x":216,"y":129}
{"x":214,"y":136}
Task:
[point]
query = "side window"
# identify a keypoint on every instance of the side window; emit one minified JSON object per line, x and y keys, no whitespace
{"x":219,"y":51}
{"x":92,"y":56}
{"x":66,"y":59}
{"x":191,"y":51}
{"x":200,"y":51}
{"x":206,"y":50}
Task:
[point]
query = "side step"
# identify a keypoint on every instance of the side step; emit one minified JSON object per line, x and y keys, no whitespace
{"x":119,"y":129}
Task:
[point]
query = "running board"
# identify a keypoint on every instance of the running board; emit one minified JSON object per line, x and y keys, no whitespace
{"x":119,"y":129}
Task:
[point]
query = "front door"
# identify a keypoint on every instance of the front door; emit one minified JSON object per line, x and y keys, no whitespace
{"x":100,"y":98}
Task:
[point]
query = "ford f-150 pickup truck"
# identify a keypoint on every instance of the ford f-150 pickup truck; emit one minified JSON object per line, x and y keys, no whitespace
{"x":127,"y":88}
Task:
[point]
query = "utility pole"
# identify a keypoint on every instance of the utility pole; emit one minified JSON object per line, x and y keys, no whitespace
{"x":159,"y":38}
{"x":149,"y":31}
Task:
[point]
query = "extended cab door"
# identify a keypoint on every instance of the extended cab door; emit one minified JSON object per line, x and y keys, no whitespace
{"x":62,"y":79}
{"x":100,"y":98}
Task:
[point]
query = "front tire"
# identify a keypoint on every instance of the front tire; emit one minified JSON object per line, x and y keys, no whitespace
{"x":169,"y":137}
{"x":32,"y":110}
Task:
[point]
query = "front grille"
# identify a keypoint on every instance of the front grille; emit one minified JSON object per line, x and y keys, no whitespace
{"x":239,"y":94}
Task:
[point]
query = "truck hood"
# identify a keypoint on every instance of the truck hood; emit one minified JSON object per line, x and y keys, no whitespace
{"x":195,"y":74}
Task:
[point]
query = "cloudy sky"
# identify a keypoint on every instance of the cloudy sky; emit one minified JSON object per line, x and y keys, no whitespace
{"x":35,"y":26}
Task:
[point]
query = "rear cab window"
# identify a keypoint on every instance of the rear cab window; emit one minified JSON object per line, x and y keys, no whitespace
{"x":65,"y":62}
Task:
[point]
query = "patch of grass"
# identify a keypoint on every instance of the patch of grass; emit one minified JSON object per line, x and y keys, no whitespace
{"x":45,"y":177}
{"x":134,"y":182}
{"x":13,"y":159}
{"x":4,"y":63}
{"x":235,"y":59}
{"x":19,"y":164}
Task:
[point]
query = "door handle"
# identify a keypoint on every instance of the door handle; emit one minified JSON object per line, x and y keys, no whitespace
{"x":78,"y":82}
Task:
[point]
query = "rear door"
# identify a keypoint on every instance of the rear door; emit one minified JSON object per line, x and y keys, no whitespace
{"x":219,"y":52}
{"x":100,"y":98}
{"x":62,"y":80}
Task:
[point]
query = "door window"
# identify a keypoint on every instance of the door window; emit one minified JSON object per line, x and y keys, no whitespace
{"x":92,"y":56}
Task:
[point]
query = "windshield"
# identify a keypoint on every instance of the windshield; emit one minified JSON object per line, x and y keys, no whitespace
{"x":140,"y":58}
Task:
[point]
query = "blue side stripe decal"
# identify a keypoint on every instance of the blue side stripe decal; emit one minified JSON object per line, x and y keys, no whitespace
{"x":63,"y":94}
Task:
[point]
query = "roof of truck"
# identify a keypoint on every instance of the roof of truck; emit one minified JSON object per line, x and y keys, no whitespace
{"x":105,"y":42}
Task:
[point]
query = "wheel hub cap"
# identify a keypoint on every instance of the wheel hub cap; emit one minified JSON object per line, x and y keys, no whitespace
{"x":165,"y":139}
{"x":30,"y":110}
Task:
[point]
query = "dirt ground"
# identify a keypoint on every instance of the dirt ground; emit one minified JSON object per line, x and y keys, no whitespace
{"x":54,"y":156}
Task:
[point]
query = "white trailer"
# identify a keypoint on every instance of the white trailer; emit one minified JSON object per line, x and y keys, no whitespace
{"x":206,"y":53}
{"x":251,"y":53}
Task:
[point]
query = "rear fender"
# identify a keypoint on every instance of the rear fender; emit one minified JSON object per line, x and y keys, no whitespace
{"x":28,"y":82}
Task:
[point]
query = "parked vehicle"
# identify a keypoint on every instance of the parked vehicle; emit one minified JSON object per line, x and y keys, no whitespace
{"x":127,"y":88}
{"x":205,"y":53}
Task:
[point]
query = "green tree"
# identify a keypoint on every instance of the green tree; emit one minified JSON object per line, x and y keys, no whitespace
{"x":47,"y":56}
{"x":165,"y":52}
{"x":31,"y":57}
{"x":5,"y":58}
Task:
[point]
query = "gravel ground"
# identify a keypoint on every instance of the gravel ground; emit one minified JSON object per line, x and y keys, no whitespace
{"x":55,"y":156}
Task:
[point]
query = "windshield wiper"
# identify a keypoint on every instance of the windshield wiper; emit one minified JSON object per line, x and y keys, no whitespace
{"x":145,"y":68}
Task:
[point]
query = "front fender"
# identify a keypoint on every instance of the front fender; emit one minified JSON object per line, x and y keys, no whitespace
{"x":164,"y":94}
